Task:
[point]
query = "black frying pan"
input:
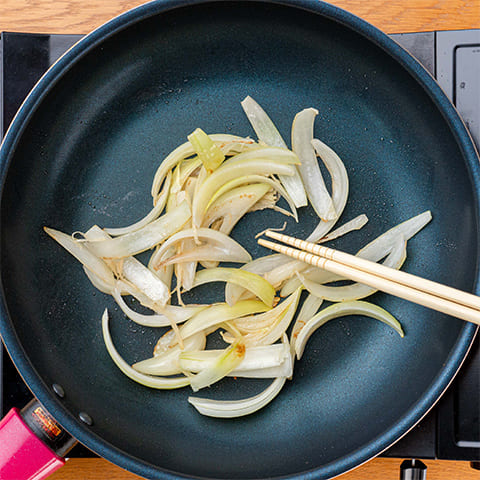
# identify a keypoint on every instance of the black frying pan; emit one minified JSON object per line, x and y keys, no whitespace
{"x":83,"y":149}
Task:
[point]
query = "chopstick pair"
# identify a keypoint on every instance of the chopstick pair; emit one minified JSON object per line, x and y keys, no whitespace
{"x":401,"y":284}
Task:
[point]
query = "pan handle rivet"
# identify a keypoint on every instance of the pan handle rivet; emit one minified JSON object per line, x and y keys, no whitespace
{"x":85,"y":418}
{"x":58,"y":389}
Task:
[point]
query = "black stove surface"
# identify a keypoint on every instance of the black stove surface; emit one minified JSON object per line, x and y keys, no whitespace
{"x":451,"y":431}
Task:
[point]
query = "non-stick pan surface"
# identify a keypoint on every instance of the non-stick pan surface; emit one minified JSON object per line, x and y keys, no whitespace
{"x":83,"y":150}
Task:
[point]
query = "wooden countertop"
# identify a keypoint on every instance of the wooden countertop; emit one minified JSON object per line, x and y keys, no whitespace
{"x":392,"y":16}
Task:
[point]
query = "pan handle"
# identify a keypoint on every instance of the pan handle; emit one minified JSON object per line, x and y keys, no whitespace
{"x":33,"y":444}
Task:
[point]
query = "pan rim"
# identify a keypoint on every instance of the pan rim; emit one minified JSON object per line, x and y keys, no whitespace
{"x":158,"y":7}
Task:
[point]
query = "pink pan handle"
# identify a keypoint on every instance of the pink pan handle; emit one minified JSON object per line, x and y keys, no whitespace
{"x":23,"y":456}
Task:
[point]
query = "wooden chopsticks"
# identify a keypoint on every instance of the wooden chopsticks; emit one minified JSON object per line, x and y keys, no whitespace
{"x":395,"y":282}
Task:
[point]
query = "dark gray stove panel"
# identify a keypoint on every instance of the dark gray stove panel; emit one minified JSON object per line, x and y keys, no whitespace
{"x":420,"y":45}
{"x":458,"y":73}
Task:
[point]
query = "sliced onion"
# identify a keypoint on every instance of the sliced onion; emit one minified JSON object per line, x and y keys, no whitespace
{"x":226,"y":173}
{"x":184,"y":151}
{"x":145,"y":280}
{"x":317,"y":193}
{"x":185,"y":271}
{"x":208,"y":152}
{"x":84,"y":255}
{"x":216,"y":314}
{"x":183,"y":173}
{"x":272,"y":324}
{"x":141,"y":282}
{"x":168,"y":362}
{"x":355,"y":224}
{"x":231,"y":357}
{"x":98,"y":283}
{"x":210,"y":253}
{"x":385,"y":242}
{"x":264,"y":356}
{"x":268,"y":134}
{"x":266,"y":361}
{"x":164,"y":383}
{"x":309,"y":309}
{"x":340,"y":187}
{"x":173,"y":314}
{"x":237,"y":408}
{"x":165,"y":272}
{"x":341,"y":310}
{"x":206,"y":185}
{"x":248,"y":179}
{"x":145,"y":238}
{"x":284,"y":271}
{"x":275,"y":154}
{"x":233,"y":205}
{"x":224,"y":242}
{"x":260,"y":265}
{"x":250,"y":281}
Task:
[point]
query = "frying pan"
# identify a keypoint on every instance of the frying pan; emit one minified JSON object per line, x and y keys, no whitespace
{"x":83,"y":149}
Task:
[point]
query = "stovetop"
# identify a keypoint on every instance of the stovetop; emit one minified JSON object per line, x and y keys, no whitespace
{"x":451,"y":430}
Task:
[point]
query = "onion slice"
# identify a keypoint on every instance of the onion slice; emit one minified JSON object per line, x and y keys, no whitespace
{"x":237,"y":408}
{"x":268,"y":327}
{"x":84,"y":255}
{"x":233,"y":205}
{"x":230,"y":171}
{"x":164,"y":383}
{"x":209,"y":253}
{"x":373,"y":251}
{"x":260,"y":265}
{"x":167,"y":363}
{"x":309,"y":309}
{"x":219,"y":239}
{"x":227,"y":361}
{"x":206,"y":149}
{"x":256,"y":358}
{"x":317,"y":193}
{"x":186,"y":150}
{"x":267,"y":133}
{"x":250,"y":281}
{"x":145,"y":281}
{"x":216,"y":314}
{"x":385,"y":242}
{"x":248,"y":179}
{"x":172,"y":313}
{"x":145,"y":238}
{"x":340,"y":187}
{"x":341,"y":310}
{"x":355,"y":224}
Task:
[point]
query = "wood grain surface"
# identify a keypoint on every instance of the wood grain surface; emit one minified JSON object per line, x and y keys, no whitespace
{"x":378,"y":469}
{"x":392,"y":16}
